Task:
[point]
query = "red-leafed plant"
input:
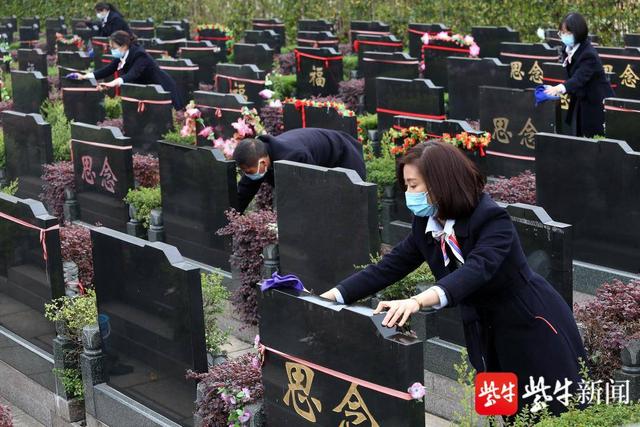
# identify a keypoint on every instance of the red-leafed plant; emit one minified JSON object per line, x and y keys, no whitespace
{"x":55,"y":178}
{"x":610,"y":321}
{"x":350,"y":92}
{"x":272,"y":119}
{"x":518,"y":189}
{"x":118,"y":123}
{"x":75,"y":241}
{"x":146,"y":170}
{"x":5,"y":416}
{"x":250,"y":233}
{"x":264,"y":197}
{"x":286,"y":63}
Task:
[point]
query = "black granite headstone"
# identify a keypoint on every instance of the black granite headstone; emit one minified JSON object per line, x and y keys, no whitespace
{"x":151,"y":299}
{"x":27,"y":140}
{"x":100,"y":47}
{"x":80,"y":61}
{"x":171,"y":37}
{"x":30,"y":269}
{"x":6,"y":33}
{"x":413,"y":98}
{"x":379,"y":64}
{"x":182,"y":23}
{"x":551,"y":38}
{"x":30,"y":21}
{"x":273,"y":25}
{"x":219,"y":110}
{"x":82,"y":101}
{"x":13,"y":20}
{"x":555,"y":73}
{"x":259,"y":54}
{"x":317,"y":39}
{"x":435,"y":54}
{"x":103,"y":169}
{"x":217,"y":37}
{"x":29,"y":36}
{"x":591,"y":184}
{"x":512,"y":119}
{"x":465,"y":76}
{"x":349,"y":215}
{"x":300,"y":116}
{"x":205,"y":55}
{"x":625,"y":64}
{"x":319,"y":71}
{"x":66,"y":44}
{"x":268,"y":37}
{"x":346,"y":339}
{"x":30,"y":90}
{"x":375,"y":43}
{"x":147,"y":115}
{"x":78,"y":23}
{"x":184,"y":73}
{"x":198,"y":185}
{"x":415,"y":32}
{"x":53,"y":26}
{"x":245,"y":80}
{"x":367,"y":27}
{"x":489,"y":39}
{"x":621,"y":120}
{"x":159,"y":48}
{"x":632,"y":40}
{"x":316,"y":25}
{"x":526,"y":61}
{"x":143,"y":28}
{"x":32,"y":60}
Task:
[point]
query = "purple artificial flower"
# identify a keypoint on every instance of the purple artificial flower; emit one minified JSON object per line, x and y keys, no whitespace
{"x":417,"y":391}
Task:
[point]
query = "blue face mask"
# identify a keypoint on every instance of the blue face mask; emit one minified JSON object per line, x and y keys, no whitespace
{"x":568,"y":40}
{"x":117,"y":53}
{"x":256,"y":176}
{"x":419,"y":205}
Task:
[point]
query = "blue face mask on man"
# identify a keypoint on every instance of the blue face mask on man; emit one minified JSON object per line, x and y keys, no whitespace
{"x":568,"y":40}
{"x":116,"y":53}
{"x":419,"y":204}
{"x":258,"y":175}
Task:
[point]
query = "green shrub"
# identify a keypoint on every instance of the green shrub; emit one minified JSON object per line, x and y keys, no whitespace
{"x":11,"y":188}
{"x":144,"y":200}
{"x":113,"y":107}
{"x":75,"y":312}
{"x":406,"y":287}
{"x":53,"y":113}
{"x":3,"y":154}
{"x":175,"y":137}
{"x":71,"y":379}
{"x":368,"y":121}
{"x":349,"y":63}
{"x":382,"y":171}
{"x":214,"y":299}
{"x":283,"y":86}
{"x":596,"y":416}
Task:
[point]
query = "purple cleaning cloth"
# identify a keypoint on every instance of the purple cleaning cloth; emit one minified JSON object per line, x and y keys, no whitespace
{"x":289,"y":281}
{"x":72,"y":76}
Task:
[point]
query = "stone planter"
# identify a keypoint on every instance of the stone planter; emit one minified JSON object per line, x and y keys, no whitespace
{"x":213,"y":359}
{"x":70,"y":411}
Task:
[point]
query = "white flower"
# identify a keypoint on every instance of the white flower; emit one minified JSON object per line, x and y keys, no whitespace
{"x":266,"y":93}
{"x":540,"y":34}
{"x":277,"y":103}
{"x":425,"y":38}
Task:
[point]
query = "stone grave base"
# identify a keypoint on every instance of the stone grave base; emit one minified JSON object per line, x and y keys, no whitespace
{"x":588,"y":277}
{"x":99,"y":209}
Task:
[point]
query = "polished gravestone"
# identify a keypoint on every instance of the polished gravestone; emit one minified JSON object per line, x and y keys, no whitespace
{"x":415,"y":98}
{"x":219,"y":110}
{"x":318,"y":70}
{"x":205,"y":55}
{"x":184,"y":73}
{"x":32,"y":60}
{"x":316,"y":25}
{"x":349,"y":216}
{"x":216,"y":36}
{"x":182,"y":23}
{"x":29,"y":36}
{"x":301,"y":116}
{"x":151,"y":302}
{"x":465,"y":76}
{"x":367,"y":27}
{"x":147,"y":115}
{"x":28,"y":278}
{"x":198,"y":186}
{"x":632,"y":39}
{"x":513,"y":119}
{"x":54,"y":26}
{"x":30,"y":90}
{"x":103,"y":169}
{"x":416,"y":31}
{"x":554,"y":74}
{"x":6,"y":33}
{"x":171,"y":37}
{"x":375,"y":43}
{"x":30,"y":21}
{"x":259,"y":54}
{"x":245,"y":80}
{"x":435,"y":55}
{"x":27,"y":141}
{"x":268,"y":37}
{"x":80,"y":61}
{"x":624,"y":63}
{"x":380,"y":64}
{"x":525,"y":60}
{"x":322,"y":335}
{"x":82,"y":101}
{"x":100,"y":46}
{"x":143,"y":28}
{"x":317,"y":39}
{"x":622,"y":117}
{"x":275,"y":25}
{"x":591,"y":184}
{"x":552,"y":39}
{"x":489,"y":39}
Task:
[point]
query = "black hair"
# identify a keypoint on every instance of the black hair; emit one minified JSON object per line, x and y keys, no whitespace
{"x":249,"y":151}
{"x":576,"y":24}
{"x":106,"y":6}
{"x":122,"y":38}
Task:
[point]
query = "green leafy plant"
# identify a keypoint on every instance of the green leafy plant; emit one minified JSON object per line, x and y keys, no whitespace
{"x":144,"y":200}
{"x":214,"y":299}
{"x":53,"y":113}
{"x":113,"y":107}
{"x":405,"y":287}
{"x":71,"y":379}
{"x":175,"y":137}
{"x":381,"y":170}
{"x":74,"y":312}
{"x":283,"y":86}
{"x":3,"y":154}
{"x":349,"y":64}
{"x":11,"y":188}
{"x":601,"y":415}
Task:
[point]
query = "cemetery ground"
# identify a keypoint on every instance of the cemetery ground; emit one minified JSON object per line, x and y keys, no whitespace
{"x":129,"y":282}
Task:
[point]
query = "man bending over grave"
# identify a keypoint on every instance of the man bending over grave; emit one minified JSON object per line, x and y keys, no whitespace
{"x":312,"y":146}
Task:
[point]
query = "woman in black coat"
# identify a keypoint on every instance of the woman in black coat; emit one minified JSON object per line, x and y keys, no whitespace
{"x":134,"y":65}
{"x":587,"y":84}
{"x":110,"y":20}
{"x":514,"y":321}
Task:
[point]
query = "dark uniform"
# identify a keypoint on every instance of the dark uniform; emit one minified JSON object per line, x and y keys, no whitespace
{"x":514,"y":320}
{"x":141,"y":68}
{"x":115,"y":22}
{"x":312,"y":146}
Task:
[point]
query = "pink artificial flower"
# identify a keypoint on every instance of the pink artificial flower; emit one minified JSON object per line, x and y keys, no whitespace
{"x":474,"y":50}
{"x":266,"y":93}
{"x":185,"y":131}
{"x":277,"y":104}
{"x":244,"y":417}
{"x":417,"y":391}
{"x":247,"y":394}
{"x":255,"y":362}
{"x":206,"y":132}
{"x":442,"y":35}
{"x":457,"y":36}
{"x":423,"y":66}
{"x":228,"y":150}
{"x":218,"y":143}
{"x":193,"y":113}
{"x":243,"y":128}
{"x":225,"y":397}
{"x":425,"y":38}
{"x":468,"y":40}
{"x":256,"y":341}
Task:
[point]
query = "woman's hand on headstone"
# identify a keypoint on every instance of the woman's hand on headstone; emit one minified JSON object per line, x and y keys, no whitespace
{"x":398,"y":311}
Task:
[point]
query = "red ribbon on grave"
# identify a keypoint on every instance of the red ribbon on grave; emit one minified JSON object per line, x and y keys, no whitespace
{"x":337,"y":374}
{"x":99,"y":43}
{"x":511,"y":156}
{"x":325,"y":59}
{"x":143,"y":28}
{"x":43,"y":231}
{"x":317,"y":42}
{"x":30,"y":42}
{"x":161,"y":52}
{"x":143,"y":102}
{"x":212,"y":48}
{"x":116,"y":75}
{"x":264,"y":24}
{"x":431,"y":135}
{"x":612,"y":56}
{"x":614,"y":108}
{"x":221,"y":38}
{"x":552,"y":80}
{"x":445,"y":48}
{"x":237,"y":79}
{"x":386,"y":61}
{"x":406,"y":113}
{"x":218,"y":110}
{"x":97,"y":144}
{"x":357,"y":43}
{"x":299,"y":104}
{"x":172,"y":68}
{"x":431,"y":33}
{"x":521,"y":55}
{"x":383,"y":33}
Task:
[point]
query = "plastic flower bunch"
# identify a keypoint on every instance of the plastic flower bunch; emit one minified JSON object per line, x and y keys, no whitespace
{"x":191,"y":117}
{"x":459,"y":39}
{"x":410,"y":137}
{"x":338,"y":106}
{"x":248,"y":125}
{"x":469,"y":142}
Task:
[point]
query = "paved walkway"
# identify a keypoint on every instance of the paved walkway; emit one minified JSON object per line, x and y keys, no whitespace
{"x":20,"y":419}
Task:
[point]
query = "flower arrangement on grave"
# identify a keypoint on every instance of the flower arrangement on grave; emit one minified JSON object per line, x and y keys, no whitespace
{"x":340,"y":108}
{"x":215,"y":27}
{"x":247,"y":126}
{"x":227,"y":38}
{"x":468,"y":142}
{"x":466,"y":41}
{"x":74,"y":40}
{"x":4,"y":92}
{"x":408,"y":136}
{"x":366,"y":122}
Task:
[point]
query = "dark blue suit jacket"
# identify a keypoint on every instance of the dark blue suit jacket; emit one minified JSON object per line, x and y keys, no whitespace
{"x":513,"y":318}
{"x":312,"y":146}
{"x":115,"y":22}
{"x":587,"y":87}
{"x":141,"y":68}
